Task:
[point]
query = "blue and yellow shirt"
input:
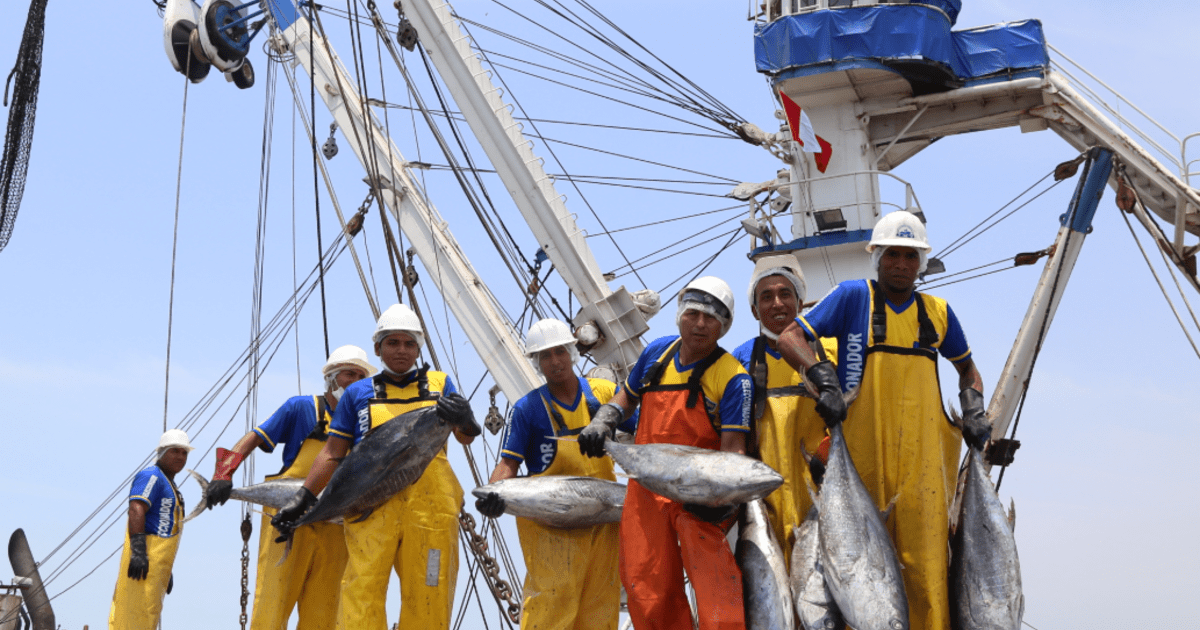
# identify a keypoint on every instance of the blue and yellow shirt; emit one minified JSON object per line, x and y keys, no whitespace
{"x":530,"y":435}
{"x":845,"y":313}
{"x":290,"y":425}
{"x":164,"y":516}
{"x":352,"y":418}
{"x":726,"y":385}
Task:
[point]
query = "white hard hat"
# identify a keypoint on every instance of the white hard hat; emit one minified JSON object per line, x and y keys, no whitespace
{"x":174,"y":438}
{"x":784,"y":265}
{"x":710,"y":295}
{"x":546,"y":334}
{"x":399,"y":318}
{"x":899,"y":228}
{"x":348,"y":356}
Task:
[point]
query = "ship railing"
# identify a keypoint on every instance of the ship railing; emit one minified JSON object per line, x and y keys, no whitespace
{"x":775,"y":9}
{"x":1156,"y":137}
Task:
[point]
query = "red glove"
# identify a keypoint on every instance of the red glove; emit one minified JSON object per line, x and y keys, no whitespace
{"x":227,"y":463}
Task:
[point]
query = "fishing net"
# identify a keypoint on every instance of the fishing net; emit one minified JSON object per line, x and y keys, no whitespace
{"x":24,"y":79}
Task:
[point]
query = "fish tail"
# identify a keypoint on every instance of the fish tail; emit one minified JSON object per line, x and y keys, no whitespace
{"x":203,"y":502}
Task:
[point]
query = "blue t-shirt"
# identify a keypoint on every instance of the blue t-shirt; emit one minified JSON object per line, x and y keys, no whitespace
{"x":290,"y":425}
{"x":356,"y":401}
{"x":529,"y":437}
{"x":726,"y":385}
{"x":164,"y":513}
{"x":845,"y":313}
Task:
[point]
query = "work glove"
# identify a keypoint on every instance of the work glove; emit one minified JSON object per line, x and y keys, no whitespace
{"x":830,"y":404}
{"x":976,"y":430}
{"x":139,"y":562}
{"x":456,"y":410}
{"x":490,"y":506}
{"x":603,"y":425}
{"x":285,"y":519}
{"x":222,"y":483}
{"x":714,"y":514}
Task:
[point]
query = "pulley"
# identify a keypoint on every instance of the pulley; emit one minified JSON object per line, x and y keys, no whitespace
{"x":182,"y":41}
{"x":406,"y":35}
{"x":493,"y":421}
{"x":330,"y":148}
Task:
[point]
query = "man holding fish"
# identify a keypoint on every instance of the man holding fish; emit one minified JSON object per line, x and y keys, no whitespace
{"x":572,"y":579}
{"x":691,"y":393}
{"x":311,"y":575}
{"x":897,"y":432}
{"x":416,"y":530}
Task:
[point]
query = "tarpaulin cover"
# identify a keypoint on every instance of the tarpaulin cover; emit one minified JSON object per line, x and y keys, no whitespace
{"x":890,"y":35}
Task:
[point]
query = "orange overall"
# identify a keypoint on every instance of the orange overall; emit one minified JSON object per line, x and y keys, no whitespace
{"x":659,"y":539}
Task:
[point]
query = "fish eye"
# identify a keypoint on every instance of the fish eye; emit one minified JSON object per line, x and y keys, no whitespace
{"x":896,"y":624}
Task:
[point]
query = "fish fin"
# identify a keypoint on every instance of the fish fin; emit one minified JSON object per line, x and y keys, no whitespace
{"x":364,"y":516}
{"x":625,"y":475}
{"x":287,"y":549}
{"x":955,"y":418}
{"x":203,"y":495}
{"x":1012,"y":515}
{"x":567,"y":438}
{"x":812,"y":494}
{"x":887,"y":511}
{"x":851,"y":395}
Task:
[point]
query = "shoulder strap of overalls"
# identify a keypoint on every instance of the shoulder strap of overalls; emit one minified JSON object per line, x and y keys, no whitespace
{"x":654,"y":375}
{"x":758,"y":374}
{"x":556,"y":420}
{"x":698,"y":373}
{"x":380,"y":381}
{"x":319,"y":431}
{"x":926,"y":333}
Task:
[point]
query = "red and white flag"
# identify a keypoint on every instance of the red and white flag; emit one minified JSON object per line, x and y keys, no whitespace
{"x":802,"y":132}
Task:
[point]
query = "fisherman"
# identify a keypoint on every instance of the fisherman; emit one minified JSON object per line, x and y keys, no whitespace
{"x":415,"y":531}
{"x":784,"y":414}
{"x":900,"y":439}
{"x":693,"y":393}
{"x":311,"y":575}
{"x":571,"y":578}
{"x":152,"y":538}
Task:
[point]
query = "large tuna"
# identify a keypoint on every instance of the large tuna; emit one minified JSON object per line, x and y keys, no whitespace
{"x":985,"y":575}
{"x":813,"y":602}
{"x":858,"y":558}
{"x":765,"y":589}
{"x":559,"y":501}
{"x":387,"y":460}
{"x":273,"y":494}
{"x":689,"y":474}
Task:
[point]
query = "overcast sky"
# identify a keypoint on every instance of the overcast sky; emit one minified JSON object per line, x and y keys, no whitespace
{"x":1103,"y":483}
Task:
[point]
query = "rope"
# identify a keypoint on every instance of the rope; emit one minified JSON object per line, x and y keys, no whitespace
{"x":175,"y":250}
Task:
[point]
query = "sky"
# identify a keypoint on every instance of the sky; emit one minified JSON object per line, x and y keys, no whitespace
{"x":1102,"y":483}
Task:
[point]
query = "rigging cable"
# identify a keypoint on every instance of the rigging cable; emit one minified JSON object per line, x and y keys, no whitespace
{"x":312,"y":106}
{"x":175,"y":249}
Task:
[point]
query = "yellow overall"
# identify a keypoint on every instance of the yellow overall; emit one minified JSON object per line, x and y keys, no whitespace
{"x":903,"y":444}
{"x":311,"y":575}
{"x":572,"y":579}
{"x":789,"y":419}
{"x":137,"y":604}
{"x":414,"y":532}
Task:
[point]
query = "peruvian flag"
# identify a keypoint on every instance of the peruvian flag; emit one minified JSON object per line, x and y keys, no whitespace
{"x":802,"y":132}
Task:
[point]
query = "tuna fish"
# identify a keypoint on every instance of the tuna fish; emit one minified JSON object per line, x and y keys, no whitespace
{"x":690,"y":474}
{"x":985,"y":575}
{"x":272,"y":494}
{"x":387,"y":460}
{"x":764,"y":577}
{"x":857,"y":556}
{"x":814,"y":604}
{"x":560,"y":501}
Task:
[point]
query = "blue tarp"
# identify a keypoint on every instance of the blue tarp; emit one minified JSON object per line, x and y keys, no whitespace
{"x":913,"y":40}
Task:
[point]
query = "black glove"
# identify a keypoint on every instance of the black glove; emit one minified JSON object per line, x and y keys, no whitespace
{"x":456,"y":410}
{"x":976,"y":429}
{"x":218,"y":492}
{"x":291,"y":512}
{"x":715,"y":515}
{"x":139,"y":562}
{"x":603,"y":424}
{"x":816,"y":468}
{"x":490,"y":506}
{"x":170,"y":584}
{"x":830,"y":404}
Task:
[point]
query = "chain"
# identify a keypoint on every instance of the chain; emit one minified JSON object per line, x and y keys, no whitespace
{"x":491,"y":571}
{"x":247,"y":528}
